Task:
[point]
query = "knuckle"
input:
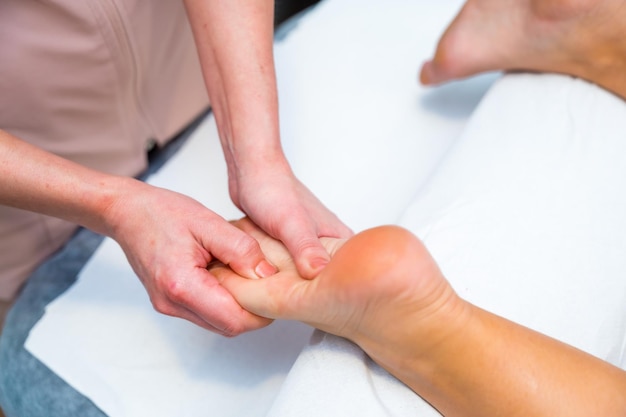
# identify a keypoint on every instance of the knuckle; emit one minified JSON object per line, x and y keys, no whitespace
{"x":308,"y":245}
{"x":244,"y":250}
{"x":247,"y":246}
{"x":163,"y":306}
{"x":310,"y":248}
{"x":172,"y":288}
{"x":175,"y":291}
{"x":233,"y":328}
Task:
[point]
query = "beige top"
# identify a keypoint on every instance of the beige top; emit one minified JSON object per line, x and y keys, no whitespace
{"x":95,"y":82}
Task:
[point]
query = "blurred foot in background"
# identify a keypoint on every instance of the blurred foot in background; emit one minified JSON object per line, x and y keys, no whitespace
{"x":583,"y":38}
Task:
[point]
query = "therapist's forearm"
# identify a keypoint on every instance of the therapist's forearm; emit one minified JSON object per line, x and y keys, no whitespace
{"x":36,"y":180}
{"x":235,"y":45}
{"x":493,"y":367}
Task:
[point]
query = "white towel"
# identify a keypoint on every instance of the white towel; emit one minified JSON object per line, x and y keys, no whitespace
{"x":526,"y":218}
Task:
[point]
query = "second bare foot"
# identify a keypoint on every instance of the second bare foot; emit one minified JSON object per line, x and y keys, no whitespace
{"x":583,"y":38}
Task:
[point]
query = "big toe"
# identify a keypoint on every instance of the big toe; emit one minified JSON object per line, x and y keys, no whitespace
{"x":476,"y":41}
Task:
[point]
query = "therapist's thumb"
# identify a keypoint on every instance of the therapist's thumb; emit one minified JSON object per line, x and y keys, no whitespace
{"x":310,"y":257}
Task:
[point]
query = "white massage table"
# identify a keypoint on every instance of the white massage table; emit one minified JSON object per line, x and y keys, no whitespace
{"x":520,"y":198}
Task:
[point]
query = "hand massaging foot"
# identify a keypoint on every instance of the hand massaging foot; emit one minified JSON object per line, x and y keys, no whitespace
{"x":584,"y":38}
{"x":380,"y":288}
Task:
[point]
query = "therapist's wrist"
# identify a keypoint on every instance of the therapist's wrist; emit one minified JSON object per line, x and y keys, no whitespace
{"x":259,"y":168}
{"x":111,"y":204}
{"x":258,"y":160}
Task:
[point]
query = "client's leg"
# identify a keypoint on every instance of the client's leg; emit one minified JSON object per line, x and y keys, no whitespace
{"x":584,"y":38}
{"x":383,"y":291}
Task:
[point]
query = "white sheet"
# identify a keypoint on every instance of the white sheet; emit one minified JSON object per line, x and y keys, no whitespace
{"x":356,"y":125}
{"x":525,"y":216}
{"x":357,"y":129}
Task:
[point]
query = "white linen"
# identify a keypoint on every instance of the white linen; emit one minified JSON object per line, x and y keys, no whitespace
{"x":525,"y":216}
{"x":525,"y":201}
{"x":334,"y":377}
{"x":356,"y":125}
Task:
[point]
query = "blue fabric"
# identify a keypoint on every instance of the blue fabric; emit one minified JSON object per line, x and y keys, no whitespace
{"x":28,"y":387}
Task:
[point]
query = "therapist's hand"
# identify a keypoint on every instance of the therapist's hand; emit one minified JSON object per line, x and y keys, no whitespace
{"x":380,"y":286}
{"x":235,"y":45}
{"x":169,"y":240}
{"x":287,"y":210}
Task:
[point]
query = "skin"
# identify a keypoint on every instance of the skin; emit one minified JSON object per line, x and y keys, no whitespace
{"x":579,"y":37}
{"x":168,"y":238}
{"x":584,"y":38}
{"x":383,"y":291}
{"x":168,"y":248}
{"x":235,"y":42}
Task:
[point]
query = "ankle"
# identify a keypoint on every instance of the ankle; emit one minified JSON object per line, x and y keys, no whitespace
{"x":606,"y":67}
{"x":416,"y":343}
{"x":595,"y":50}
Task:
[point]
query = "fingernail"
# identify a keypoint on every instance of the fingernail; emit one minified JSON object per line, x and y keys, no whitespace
{"x":317,"y":264}
{"x":265,"y":269}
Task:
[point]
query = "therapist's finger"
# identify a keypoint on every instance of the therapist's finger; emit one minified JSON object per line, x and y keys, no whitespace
{"x":284,"y":295}
{"x":235,"y":248}
{"x":203,"y":301}
{"x":301,"y":238}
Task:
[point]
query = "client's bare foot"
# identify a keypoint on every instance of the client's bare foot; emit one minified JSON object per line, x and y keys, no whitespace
{"x":376,"y":283}
{"x":382,"y":290}
{"x":584,"y":38}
